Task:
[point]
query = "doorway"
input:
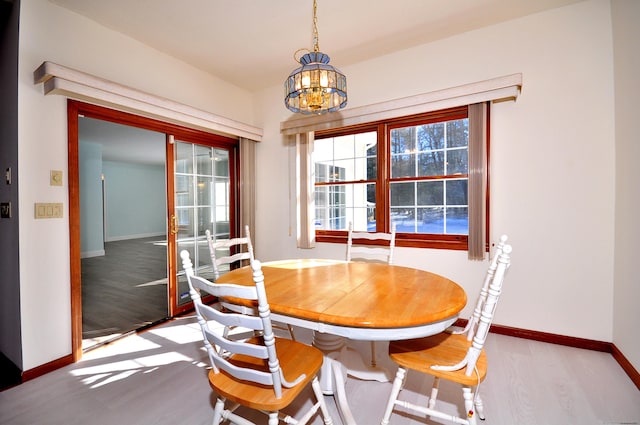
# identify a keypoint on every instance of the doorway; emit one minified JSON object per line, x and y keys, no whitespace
{"x":130,"y":212}
{"x":123,"y":234}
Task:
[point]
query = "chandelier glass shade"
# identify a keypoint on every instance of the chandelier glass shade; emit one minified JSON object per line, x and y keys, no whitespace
{"x":315,"y":87}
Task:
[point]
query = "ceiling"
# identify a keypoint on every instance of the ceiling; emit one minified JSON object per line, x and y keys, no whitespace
{"x":251,"y":43}
{"x":123,"y":143}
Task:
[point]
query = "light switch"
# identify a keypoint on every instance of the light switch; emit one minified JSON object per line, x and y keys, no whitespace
{"x":48,"y":210}
{"x":55,"y":178}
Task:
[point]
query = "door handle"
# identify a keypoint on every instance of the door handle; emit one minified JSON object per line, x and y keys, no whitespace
{"x":174,"y":224}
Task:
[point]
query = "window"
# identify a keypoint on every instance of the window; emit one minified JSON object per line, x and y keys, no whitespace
{"x":345,"y":170}
{"x":412,"y":172}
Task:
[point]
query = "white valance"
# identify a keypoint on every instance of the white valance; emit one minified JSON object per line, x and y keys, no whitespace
{"x":58,"y":79}
{"x":495,"y":89}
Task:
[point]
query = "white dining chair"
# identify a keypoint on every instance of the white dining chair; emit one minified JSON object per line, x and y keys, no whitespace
{"x":371,"y":246}
{"x":450,"y":356}
{"x":227,"y":254}
{"x":264,"y":373}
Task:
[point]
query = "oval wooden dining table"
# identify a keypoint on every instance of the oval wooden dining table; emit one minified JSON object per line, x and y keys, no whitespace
{"x":354,"y":300}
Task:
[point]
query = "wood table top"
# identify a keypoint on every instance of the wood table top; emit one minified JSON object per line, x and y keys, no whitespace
{"x":356,"y":294}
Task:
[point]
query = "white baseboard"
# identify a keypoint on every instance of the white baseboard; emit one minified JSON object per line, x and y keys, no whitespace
{"x":89,"y":254}
{"x":138,"y":236}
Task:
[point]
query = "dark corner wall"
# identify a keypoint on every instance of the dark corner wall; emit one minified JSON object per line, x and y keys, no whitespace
{"x":10,"y":335}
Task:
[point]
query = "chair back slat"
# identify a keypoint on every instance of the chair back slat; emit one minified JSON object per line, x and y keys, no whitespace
{"x":218,"y":312}
{"x":382,"y":248}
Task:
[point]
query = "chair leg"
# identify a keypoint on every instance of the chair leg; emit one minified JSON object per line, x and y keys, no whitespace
{"x":373,"y":354}
{"x":326,"y":417}
{"x":273,"y":418}
{"x":434,"y":392}
{"x":293,"y":336}
{"x":398,"y":383}
{"x":468,"y":405}
{"x":217,"y":412}
{"x":479,"y":406}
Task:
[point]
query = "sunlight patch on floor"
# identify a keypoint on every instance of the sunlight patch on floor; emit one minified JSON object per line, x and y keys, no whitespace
{"x":100,"y":375}
{"x":129,"y":344}
{"x":181,"y":334}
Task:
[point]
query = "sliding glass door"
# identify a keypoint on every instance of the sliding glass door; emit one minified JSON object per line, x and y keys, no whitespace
{"x":203,"y":201}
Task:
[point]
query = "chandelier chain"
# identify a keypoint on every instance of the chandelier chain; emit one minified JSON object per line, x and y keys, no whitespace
{"x":316,"y":47}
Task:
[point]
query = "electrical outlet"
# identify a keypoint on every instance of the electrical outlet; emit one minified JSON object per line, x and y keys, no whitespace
{"x":5,"y":210}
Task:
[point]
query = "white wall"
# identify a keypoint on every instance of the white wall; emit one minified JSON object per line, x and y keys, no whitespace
{"x":552,"y":163}
{"x":143,"y":216}
{"x":91,"y":202}
{"x":50,"y":33}
{"x":626,"y":33}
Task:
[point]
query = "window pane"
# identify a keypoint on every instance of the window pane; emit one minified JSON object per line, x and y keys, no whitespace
{"x":220,"y":160}
{"x":431,"y":164}
{"x":403,"y":148}
{"x":204,"y":189}
{"x":457,"y":220}
{"x":432,"y":220}
{"x":403,"y":165}
{"x":184,"y":158}
{"x":404,"y":219}
{"x":431,"y":137}
{"x":403,"y":140}
{"x":458,"y":161}
{"x":204,"y":163}
{"x":345,"y":170}
{"x":457,"y":192}
{"x":458,"y":133}
{"x":344,"y":147}
{"x":337,"y":205}
{"x":184,"y":190}
{"x":431,"y":193}
{"x":403,"y":194}
{"x":372,"y":167}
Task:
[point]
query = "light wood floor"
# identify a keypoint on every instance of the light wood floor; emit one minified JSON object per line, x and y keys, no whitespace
{"x":159,"y":377}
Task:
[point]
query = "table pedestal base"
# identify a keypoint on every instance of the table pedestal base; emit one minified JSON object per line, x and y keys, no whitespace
{"x":340,"y":361}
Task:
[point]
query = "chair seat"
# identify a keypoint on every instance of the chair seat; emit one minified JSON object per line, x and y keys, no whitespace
{"x":443,"y":349}
{"x":295,"y":359}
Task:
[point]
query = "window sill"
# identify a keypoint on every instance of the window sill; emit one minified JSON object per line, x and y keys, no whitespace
{"x":451,"y":242}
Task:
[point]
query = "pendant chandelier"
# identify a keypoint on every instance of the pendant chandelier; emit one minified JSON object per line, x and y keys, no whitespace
{"x":316,"y":87}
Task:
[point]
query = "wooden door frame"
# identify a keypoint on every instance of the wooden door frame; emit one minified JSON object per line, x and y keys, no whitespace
{"x":74,"y":110}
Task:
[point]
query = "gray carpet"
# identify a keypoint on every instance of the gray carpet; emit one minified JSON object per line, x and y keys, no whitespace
{"x":124,"y":290}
